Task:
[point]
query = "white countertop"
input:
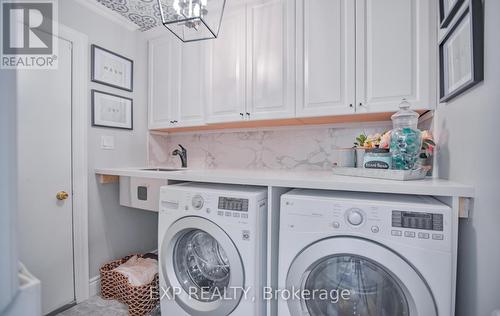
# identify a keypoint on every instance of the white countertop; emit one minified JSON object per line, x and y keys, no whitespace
{"x":302,"y":179}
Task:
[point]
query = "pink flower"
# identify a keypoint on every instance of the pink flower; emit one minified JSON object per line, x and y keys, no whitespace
{"x":385,"y":140}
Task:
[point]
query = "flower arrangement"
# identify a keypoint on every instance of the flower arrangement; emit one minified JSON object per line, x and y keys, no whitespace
{"x":368,"y":141}
{"x":428,"y":145}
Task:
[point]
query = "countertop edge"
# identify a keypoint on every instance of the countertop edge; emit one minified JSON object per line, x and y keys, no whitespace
{"x":432,"y":187}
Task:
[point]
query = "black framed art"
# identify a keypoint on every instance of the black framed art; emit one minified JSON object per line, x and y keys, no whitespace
{"x":111,"y":69}
{"x":447,"y":10}
{"x":461,"y":60}
{"x":111,"y":110}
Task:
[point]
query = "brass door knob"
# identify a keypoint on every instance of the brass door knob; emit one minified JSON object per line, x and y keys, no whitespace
{"x":62,"y":195}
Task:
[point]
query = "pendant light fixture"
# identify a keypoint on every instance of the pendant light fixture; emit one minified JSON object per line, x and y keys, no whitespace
{"x":192,"y":20}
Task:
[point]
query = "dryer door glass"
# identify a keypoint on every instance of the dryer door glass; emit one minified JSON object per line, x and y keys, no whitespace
{"x":201,"y":266}
{"x":373,"y":291}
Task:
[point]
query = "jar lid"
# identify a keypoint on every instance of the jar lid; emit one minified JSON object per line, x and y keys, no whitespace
{"x":377,"y":150}
{"x":404,"y":112}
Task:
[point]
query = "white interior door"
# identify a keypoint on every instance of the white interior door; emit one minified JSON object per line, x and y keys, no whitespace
{"x":44,"y":169}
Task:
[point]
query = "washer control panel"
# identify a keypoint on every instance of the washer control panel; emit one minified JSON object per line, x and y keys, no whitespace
{"x":220,"y":207}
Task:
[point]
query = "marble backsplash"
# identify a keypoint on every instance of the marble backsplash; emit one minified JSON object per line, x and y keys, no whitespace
{"x":292,"y":148}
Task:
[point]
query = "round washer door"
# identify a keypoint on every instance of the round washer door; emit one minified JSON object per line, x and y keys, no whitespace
{"x":201,"y":262}
{"x":379,"y":281}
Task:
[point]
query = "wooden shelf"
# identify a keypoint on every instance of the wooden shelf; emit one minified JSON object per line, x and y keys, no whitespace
{"x":353,"y":118}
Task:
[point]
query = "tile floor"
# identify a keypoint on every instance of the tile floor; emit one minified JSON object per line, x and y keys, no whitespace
{"x":96,"y":306}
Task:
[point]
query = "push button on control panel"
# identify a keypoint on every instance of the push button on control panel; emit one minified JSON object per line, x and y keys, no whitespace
{"x":423,"y":235}
{"x":396,"y":233}
{"x":437,"y":236}
{"x":410,"y":234}
{"x":375,"y":229}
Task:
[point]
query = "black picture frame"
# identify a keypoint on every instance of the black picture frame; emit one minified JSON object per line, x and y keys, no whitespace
{"x":474,"y":12}
{"x":93,"y":110}
{"x":446,"y":17}
{"x":94,"y":50}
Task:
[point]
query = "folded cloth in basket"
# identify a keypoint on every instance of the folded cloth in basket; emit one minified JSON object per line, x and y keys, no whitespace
{"x":139,"y":271}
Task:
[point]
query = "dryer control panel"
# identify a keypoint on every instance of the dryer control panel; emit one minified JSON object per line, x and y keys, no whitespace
{"x":413,"y":220}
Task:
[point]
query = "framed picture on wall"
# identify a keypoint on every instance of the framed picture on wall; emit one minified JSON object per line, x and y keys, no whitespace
{"x":111,"y":69}
{"x":461,"y":53}
{"x":447,"y":10}
{"x":110,"y":110}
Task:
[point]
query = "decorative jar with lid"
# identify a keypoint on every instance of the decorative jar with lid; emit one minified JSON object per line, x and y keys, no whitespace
{"x":406,"y":138}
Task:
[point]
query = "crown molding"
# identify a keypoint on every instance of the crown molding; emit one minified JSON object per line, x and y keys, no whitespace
{"x":108,"y":14}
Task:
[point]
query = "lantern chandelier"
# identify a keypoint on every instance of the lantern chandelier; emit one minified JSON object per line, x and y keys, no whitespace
{"x":192,"y":20}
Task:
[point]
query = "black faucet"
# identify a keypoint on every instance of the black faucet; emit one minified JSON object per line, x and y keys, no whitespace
{"x":182,"y":154}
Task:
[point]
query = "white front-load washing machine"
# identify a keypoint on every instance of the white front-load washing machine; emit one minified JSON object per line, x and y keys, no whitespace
{"x":212,"y":249}
{"x":364,"y":254}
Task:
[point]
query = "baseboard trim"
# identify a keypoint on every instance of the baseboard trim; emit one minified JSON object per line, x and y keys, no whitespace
{"x":95,"y":286}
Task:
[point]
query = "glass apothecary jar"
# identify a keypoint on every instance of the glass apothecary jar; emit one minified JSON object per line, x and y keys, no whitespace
{"x":406,"y":138}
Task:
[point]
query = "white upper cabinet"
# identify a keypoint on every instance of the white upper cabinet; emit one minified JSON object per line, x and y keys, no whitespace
{"x":270,"y":59}
{"x":225,"y":68}
{"x":277,"y":59}
{"x":163,"y":82}
{"x":176,"y":77}
{"x":325,"y":57}
{"x":191,"y":110}
{"x":395,"y":54}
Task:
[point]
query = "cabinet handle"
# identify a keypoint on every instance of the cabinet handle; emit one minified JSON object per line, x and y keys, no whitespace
{"x":171,"y":122}
{"x":350,"y":105}
{"x":360,"y":104}
{"x":176,"y":121}
{"x":248,"y":114}
{"x":242,"y":115}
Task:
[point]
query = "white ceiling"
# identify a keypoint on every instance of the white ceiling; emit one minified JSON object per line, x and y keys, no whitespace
{"x":143,"y":13}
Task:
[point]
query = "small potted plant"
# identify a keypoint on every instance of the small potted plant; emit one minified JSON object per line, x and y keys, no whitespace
{"x":364,"y":142}
{"x":359,"y":146}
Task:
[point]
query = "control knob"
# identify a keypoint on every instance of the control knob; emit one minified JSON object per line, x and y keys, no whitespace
{"x":355,"y":216}
{"x":197,"y":202}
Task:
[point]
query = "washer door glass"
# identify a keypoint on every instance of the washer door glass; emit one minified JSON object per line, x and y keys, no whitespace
{"x":373,"y":291}
{"x":201,"y":266}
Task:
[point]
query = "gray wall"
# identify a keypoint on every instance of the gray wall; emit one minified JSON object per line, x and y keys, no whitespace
{"x":8,"y":185}
{"x":467,"y":131}
{"x":114,"y":231}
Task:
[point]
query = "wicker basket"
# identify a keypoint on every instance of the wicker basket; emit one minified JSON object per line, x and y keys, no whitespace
{"x":141,"y":300}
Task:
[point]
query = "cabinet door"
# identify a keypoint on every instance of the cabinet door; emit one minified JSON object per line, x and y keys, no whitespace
{"x":191,"y":111}
{"x":271,"y":59}
{"x":225,"y":67}
{"x":395,"y":57}
{"x":325,"y":57}
{"x":163,"y":82}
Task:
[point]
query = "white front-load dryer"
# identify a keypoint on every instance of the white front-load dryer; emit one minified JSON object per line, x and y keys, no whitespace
{"x":345,"y":253}
{"x":212,"y":249}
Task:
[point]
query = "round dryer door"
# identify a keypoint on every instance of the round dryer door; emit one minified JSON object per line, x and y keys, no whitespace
{"x":375,"y":281}
{"x":201,"y":262}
